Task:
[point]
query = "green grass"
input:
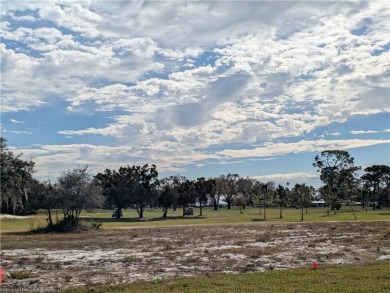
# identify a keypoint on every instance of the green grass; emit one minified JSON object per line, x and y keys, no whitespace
{"x":24,"y":224}
{"x":367,"y":278}
{"x":153,"y":217}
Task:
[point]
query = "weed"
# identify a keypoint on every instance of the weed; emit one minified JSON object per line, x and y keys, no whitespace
{"x":130,"y":259}
{"x":20,"y":275}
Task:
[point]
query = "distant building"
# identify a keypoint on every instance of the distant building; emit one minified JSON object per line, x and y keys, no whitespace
{"x":318,"y":203}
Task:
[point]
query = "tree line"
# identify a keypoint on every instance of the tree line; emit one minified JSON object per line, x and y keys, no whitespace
{"x":139,"y":187}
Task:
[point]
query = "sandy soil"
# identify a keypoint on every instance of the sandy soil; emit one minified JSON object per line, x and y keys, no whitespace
{"x":60,"y":261}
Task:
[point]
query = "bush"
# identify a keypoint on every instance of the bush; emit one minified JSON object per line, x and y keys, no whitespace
{"x":69,"y":225}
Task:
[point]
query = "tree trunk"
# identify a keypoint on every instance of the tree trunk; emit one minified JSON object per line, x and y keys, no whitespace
{"x":229,"y":203}
{"x":184,"y":210}
{"x":165,"y":212}
{"x":280,"y":213}
{"x":49,"y":219}
{"x":174,"y":207}
{"x":118,"y":213}
{"x":200,"y":210}
{"x":215,"y":204}
{"x":264,"y":212}
{"x":302,"y":213}
{"x":353,"y":212}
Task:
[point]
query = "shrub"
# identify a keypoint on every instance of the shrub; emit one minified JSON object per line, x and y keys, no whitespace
{"x":68,"y":225}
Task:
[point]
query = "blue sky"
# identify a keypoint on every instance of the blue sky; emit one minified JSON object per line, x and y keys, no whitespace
{"x":200,"y":88}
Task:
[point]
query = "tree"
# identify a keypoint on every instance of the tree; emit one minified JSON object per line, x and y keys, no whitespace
{"x":231,"y":188}
{"x":245,"y":189}
{"x":16,"y":179}
{"x":211,"y":188}
{"x":134,"y":187}
{"x":201,"y":192}
{"x":115,"y":188}
{"x":303,"y":195}
{"x":143,"y":187}
{"x":267,"y":193}
{"x":45,"y":196}
{"x":240,"y":200}
{"x":337,"y":172}
{"x":282,"y":198}
{"x":378,"y":176}
{"x":186,"y":191}
{"x":263,"y":192}
{"x":202,"y":188}
{"x":168,"y":194}
{"x":78,"y":191}
{"x":219,"y":191}
{"x":257,"y":190}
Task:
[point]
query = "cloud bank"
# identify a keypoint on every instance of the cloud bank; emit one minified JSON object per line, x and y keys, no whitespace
{"x":182,"y":83}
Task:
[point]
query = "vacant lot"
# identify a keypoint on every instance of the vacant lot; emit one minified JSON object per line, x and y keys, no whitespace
{"x":52,"y":262}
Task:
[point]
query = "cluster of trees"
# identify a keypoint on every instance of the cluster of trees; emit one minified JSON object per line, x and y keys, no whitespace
{"x":134,"y":187}
{"x":232,"y":190}
{"x":138,"y":187}
{"x":74,"y":191}
{"x":339,"y":174}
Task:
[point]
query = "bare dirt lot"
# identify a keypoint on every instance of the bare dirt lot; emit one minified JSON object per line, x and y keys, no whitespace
{"x":60,"y":261}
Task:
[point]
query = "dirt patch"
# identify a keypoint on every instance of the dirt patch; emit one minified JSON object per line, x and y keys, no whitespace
{"x":60,"y":261}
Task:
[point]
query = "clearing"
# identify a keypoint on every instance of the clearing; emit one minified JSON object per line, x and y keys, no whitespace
{"x":123,"y":255}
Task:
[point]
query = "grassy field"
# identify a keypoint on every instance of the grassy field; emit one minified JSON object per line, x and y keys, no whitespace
{"x":367,"y":278}
{"x":222,"y":216}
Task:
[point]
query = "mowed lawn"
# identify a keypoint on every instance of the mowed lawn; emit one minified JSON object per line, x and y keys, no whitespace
{"x":366,"y":278}
{"x":153,"y":217}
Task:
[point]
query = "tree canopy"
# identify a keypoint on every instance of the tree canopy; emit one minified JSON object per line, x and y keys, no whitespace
{"x":16,"y":180}
{"x":338,"y":172}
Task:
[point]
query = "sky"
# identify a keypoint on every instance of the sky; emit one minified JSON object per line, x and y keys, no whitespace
{"x":199,"y":88}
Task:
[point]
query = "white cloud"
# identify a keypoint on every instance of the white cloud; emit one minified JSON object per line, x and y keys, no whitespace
{"x":273,"y":149}
{"x":369,"y":131}
{"x":183,"y":78}
{"x":288,"y":177}
{"x":116,"y":130}
{"x":17,"y":132}
{"x":16,"y":121}
{"x":52,"y":159}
